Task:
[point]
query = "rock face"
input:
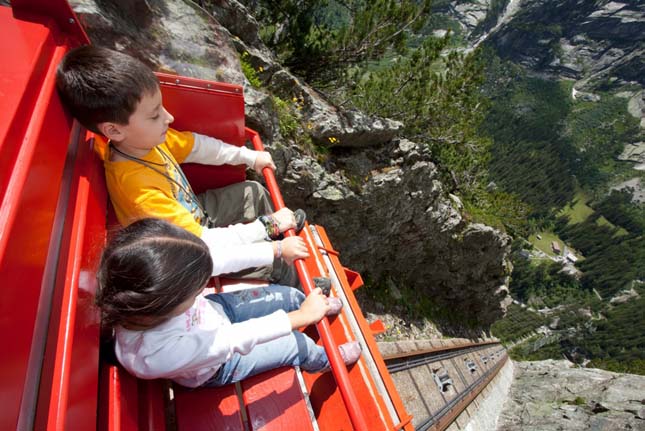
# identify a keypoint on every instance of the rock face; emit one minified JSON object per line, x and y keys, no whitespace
{"x":379,"y":197}
{"x":345,"y":128}
{"x":598,"y":43}
{"x":385,"y":209}
{"x":469,"y":16}
{"x":601,"y":43}
{"x":556,"y":395}
{"x":170,"y":36}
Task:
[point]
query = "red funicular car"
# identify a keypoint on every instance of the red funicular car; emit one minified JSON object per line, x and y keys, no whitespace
{"x":53,"y":219}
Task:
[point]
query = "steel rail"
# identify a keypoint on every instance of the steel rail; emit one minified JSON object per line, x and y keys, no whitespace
{"x":416,"y":359}
{"x":338,"y":367}
{"x":454,"y":407}
{"x":439,"y":349}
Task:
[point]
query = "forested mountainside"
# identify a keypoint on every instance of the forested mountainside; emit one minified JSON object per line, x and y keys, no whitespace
{"x":566,"y":119}
{"x":534,"y":113}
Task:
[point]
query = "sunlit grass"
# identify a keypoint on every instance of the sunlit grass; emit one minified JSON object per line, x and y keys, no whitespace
{"x":544,"y":244}
{"x":579,"y":211}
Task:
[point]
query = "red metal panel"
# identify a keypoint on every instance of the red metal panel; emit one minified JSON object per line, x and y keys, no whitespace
{"x":31,"y":46}
{"x":71,"y":358}
{"x":152,"y":405}
{"x":58,"y":10}
{"x":119,"y":408}
{"x":31,"y":167}
{"x":274,"y":401}
{"x":205,"y":177}
{"x":129,"y":404}
{"x":210,"y":108}
{"x":25,"y":47}
{"x":83,"y":383}
{"x":209,"y":409}
{"x":327,"y":402}
{"x":353,"y":278}
{"x":377,"y":327}
{"x":108,"y":409}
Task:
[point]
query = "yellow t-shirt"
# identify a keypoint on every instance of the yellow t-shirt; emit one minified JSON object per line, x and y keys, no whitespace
{"x":140,"y":190}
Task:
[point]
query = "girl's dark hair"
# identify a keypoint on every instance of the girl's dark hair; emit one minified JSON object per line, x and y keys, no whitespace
{"x":98,"y":85}
{"x":147,"y":270}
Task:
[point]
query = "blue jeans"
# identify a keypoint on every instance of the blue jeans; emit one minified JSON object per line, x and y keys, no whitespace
{"x":290,"y":350}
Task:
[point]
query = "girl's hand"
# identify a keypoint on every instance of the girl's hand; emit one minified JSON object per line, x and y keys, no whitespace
{"x":314,"y":308}
{"x":292,"y":248}
{"x":285,"y":219}
{"x":263,"y":160}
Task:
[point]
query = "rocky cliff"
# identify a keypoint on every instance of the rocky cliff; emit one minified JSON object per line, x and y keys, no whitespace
{"x":378,"y":195}
{"x":599,"y":43}
{"x":556,"y":395}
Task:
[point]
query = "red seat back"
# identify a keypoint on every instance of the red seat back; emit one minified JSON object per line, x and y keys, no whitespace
{"x":212,"y":109}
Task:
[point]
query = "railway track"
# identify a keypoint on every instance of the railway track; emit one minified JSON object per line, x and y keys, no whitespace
{"x":438,"y":382}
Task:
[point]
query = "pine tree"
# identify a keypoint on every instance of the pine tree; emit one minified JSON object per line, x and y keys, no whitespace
{"x":319,"y":39}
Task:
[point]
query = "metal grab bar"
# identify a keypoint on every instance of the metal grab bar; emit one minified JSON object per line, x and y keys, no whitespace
{"x":337,"y":365}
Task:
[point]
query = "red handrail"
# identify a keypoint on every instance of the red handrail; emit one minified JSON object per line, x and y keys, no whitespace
{"x":337,"y":365}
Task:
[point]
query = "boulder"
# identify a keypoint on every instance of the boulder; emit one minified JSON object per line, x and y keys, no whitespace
{"x":557,"y":395}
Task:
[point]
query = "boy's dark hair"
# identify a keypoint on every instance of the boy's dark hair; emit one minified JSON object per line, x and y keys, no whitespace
{"x":147,"y":270}
{"x":101,"y":85}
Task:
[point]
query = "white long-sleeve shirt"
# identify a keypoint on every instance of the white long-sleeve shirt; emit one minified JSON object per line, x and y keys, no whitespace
{"x":212,"y":151}
{"x":191,"y":347}
{"x":239,"y":246}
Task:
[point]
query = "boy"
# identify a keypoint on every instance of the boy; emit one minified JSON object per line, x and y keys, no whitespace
{"x":117,"y":96}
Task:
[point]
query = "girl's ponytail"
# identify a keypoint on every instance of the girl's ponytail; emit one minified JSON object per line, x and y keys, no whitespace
{"x":147,"y":270}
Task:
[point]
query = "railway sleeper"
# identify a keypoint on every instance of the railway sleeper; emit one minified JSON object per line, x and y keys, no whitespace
{"x":442,"y":379}
{"x":472,"y":367}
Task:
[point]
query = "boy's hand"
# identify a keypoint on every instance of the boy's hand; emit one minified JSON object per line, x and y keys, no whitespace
{"x":263,"y":160}
{"x":293,"y":248}
{"x":285,"y":219}
{"x":313,"y":308}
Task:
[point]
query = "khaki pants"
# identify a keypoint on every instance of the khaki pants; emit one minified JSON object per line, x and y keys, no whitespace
{"x":243,"y":203}
{"x":238,"y":203}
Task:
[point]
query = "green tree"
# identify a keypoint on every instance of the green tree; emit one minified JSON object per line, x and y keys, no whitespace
{"x":436,"y":94}
{"x":319,"y":39}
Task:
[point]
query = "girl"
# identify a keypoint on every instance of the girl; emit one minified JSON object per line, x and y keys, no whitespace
{"x":151,"y":279}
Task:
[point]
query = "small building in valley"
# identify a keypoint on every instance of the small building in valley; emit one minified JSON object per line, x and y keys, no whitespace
{"x":571,"y":258}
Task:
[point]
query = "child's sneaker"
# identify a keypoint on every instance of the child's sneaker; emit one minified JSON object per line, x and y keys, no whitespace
{"x":324,"y":283}
{"x":335,"y":305}
{"x":350,"y":352}
{"x":301,"y":217}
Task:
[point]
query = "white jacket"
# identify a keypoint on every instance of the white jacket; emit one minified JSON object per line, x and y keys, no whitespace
{"x":238,"y":246}
{"x":191,"y":347}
